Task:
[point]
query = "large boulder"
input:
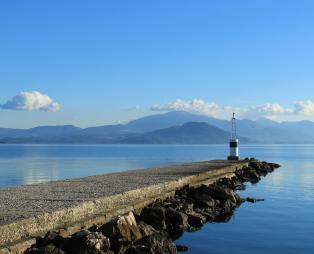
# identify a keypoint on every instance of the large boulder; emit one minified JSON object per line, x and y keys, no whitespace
{"x":86,"y":242}
{"x":176,"y":218}
{"x":220,"y":193}
{"x":159,"y":243}
{"x":145,"y":229}
{"x":47,"y":249}
{"x":127,"y":227}
{"x":196,"y":220}
{"x":177,"y":223}
{"x":154,"y":216}
{"x":275,"y":165}
{"x":57,"y":238}
{"x":202,"y":196}
{"x":252,"y":176}
{"x":207,"y":212}
{"x":186,"y":206}
{"x":139,"y":249}
{"x":124,"y":226}
{"x":121,"y":230}
{"x":227,"y":182}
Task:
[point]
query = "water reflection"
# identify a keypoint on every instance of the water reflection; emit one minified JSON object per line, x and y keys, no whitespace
{"x":26,"y":164}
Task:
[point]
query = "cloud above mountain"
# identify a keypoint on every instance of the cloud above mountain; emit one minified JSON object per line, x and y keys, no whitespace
{"x":274,"y":111}
{"x":268,"y":110}
{"x":194,"y":106}
{"x":31,"y":101}
{"x":304,"y":109}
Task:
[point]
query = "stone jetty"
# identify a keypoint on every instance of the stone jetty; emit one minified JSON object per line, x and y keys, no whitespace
{"x":137,"y":211}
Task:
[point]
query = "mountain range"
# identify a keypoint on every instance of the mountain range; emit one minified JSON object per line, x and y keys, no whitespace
{"x":176,"y":127}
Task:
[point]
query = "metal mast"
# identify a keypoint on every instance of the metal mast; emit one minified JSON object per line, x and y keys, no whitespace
{"x":234,"y":142}
{"x":233,"y":127}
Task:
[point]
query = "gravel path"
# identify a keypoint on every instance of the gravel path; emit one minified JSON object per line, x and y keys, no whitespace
{"x":31,"y":200}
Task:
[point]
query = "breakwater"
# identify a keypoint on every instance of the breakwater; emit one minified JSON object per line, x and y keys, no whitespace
{"x":131,"y":191}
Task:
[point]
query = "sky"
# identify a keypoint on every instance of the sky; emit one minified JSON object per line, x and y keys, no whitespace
{"x":91,"y":63}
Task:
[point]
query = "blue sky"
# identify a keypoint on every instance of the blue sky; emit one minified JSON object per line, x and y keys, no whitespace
{"x":110,"y":61}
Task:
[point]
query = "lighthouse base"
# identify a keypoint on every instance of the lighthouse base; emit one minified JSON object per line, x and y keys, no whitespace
{"x":233,"y":158}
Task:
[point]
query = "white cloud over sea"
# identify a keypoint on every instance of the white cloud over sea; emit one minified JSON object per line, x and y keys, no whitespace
{"x":299,"y":109}
{"x":31,"y":101}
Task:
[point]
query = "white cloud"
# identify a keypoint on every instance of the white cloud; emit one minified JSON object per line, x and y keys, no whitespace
{"x":300,"y":109}
{"x":305,"y":108}
{"x":275,"y":111}
{"x":30,"y":101}
{"x":198,"y":106}
{"x":268,"y":110}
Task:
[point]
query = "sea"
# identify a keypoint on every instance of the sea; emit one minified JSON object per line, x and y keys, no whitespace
{"x":282,"y":223}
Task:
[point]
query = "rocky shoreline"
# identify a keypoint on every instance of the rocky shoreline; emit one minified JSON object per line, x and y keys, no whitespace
{"x":154,"y":228}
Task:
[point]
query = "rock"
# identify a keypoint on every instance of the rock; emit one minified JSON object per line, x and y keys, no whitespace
{"x":223,"y":216}
{"x":254,"y":200}
{"x":145,"y":229}
{"x":239,"y":200}
{"x":50,"y":249}
{"x":196,"y":220}
{"x":251,"y":175}
{"x":227,"y":182}
{"x":176,"y":218}
{"x":275,"y":165}
{"x":121,"y":230}
{"x":154,"y":216}
{"x":206,"y":212}
{"x":181,"y":248}
{"x":238,"y":185}
{"x":186,"y":206}
{"x":203,"y":198}
{"x":32,"y":250}
{"x":124,"y":226}
{"x":176,"y":204}
{"x":220,"y":193}
{"x":227,"y":206}
{"x":54,"y":237}
{"x":158,"y":243}
{"x":86,"y":242}
{"x":109,"y":229}
{"x":139,"y":249}
{"x":255,"y":164}
{"x":93,"y":228}
{"x":183,"y":192}
{"x":177,"y":223}
{"x":127,"y":227}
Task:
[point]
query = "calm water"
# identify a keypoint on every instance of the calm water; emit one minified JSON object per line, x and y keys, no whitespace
{"x":283,"y":223}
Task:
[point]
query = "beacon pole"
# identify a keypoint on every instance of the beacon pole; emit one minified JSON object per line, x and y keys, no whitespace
{"x":234,"y":142}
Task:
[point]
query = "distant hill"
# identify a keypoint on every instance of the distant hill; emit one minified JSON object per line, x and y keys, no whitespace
{"x":162,"y":121}
{"x":41,"y":131}
{"x":260,"y":131}
{"x":188,"y":133}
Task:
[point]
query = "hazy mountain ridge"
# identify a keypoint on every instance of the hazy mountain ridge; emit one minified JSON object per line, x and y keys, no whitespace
{"x":188,"y":133}
{"x":171,"y":127}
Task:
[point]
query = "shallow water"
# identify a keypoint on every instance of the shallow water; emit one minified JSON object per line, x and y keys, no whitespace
{"x":26,"y":164}
{"x":283,"y":223}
